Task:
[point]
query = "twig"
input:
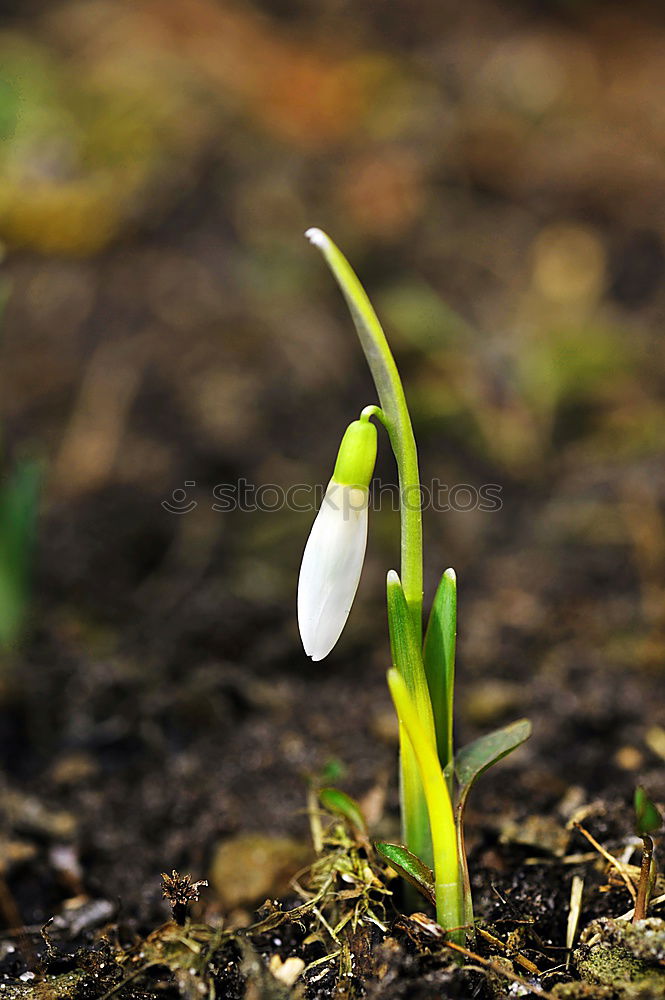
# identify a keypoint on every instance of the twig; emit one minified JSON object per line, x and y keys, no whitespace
{"x":499,"y":970}
{"x":656,"y":901}
{"x":128,"y":979}
{"x":642,"y":901}
{"x":609,"y":858}
{"x":315,"y":825}
{"x":515,"y":956}
{"x":576,"y":890}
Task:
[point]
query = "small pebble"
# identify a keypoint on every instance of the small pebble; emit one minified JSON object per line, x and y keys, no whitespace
{"x":286,"y":972}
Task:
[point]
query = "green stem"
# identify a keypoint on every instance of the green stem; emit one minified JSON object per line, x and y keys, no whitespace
{"x":395,"y":418}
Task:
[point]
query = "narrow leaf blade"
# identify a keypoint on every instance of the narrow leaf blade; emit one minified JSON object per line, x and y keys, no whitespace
{"x":370,"y":332}
{"x":409,"y":867}
{"x":439,"y":806}
{"x":405,"y":651}
{"x":407,"y":659}
{"x":476,"y":757}
{"x":341,"y":804}
{"x":415,"y":818}
{"x":439,"y":662}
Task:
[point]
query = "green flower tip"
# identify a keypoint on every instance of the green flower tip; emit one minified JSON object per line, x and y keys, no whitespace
{"x":357,"y":455}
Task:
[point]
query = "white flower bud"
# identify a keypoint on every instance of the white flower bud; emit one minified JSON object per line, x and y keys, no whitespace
{"x":331,"y":567}
{"x":335,"y":550}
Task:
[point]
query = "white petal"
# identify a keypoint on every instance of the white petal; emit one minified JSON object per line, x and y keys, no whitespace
{"x":331,"y":566}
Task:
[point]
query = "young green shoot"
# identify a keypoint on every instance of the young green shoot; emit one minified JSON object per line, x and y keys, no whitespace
{"x":434,"y":781}
{"x":647,"y":820}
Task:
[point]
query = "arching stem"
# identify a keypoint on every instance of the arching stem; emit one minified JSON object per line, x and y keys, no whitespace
{"x":395,"y":416}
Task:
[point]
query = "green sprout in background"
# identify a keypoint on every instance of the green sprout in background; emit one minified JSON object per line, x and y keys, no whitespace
{"x":647,"y":820}
{"x":19,"y":500}
{"x":434,"y":780}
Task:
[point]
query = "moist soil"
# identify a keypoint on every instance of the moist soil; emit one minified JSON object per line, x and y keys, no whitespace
{"x":137,"y":741}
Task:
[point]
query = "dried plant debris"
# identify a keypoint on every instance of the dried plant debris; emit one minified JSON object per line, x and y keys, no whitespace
{"x":338,"y":939}
{"x":340,"y":934}
{"x":180,"y":892}
{"x":342,"y":912}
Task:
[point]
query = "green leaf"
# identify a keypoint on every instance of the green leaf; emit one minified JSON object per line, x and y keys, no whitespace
{"x":341,"y":804}
{"x":413,"y":804}
{"x":405,"y":651}
{"x":470,"y":762}
{"x":370,"y":333}
{"x":647,"y":815}
{"x":476,"y":757}
{"x":439,"y":662}
{"x":439,"y":806}
{"x":409,"y":867}
{"x":407,"y":659}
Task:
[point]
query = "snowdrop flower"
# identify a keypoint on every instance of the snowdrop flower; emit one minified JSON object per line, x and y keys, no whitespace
{"x":333,"y":558}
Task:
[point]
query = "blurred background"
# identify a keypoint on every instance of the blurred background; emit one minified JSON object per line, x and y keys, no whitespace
{"x":495,"y":171}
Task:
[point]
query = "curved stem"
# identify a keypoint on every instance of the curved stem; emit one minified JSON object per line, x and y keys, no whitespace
{"x":395,"y":418}
{"x":373,"y":410}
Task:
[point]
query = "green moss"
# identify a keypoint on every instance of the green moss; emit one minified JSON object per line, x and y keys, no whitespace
{"x":64,"y":987}
{"x":626,"y":957}
{"x":584,"y":991}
